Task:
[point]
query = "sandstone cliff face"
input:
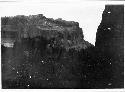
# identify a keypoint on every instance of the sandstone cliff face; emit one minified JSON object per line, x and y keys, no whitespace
{"x":46,"y":53}
{"x":110,"y":43}
{"x":65,"y":34}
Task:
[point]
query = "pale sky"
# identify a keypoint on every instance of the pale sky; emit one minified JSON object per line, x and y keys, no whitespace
{"x":88,"y":14}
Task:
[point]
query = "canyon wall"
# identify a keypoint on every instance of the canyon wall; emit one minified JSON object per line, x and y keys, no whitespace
{"x":46,"y":53}
{"x":40,"y":52}
{"x":109,"y":43}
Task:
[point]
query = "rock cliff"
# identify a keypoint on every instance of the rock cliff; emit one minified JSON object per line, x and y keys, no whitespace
{"x":110,"y":43}
{"x":65,"y":34}
{"x":46,"y":53}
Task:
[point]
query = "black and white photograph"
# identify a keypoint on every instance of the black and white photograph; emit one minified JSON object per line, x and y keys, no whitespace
{"x":62,"y":44}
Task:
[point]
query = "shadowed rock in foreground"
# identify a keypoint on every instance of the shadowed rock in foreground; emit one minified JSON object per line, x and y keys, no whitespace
{"x":110,"y":44}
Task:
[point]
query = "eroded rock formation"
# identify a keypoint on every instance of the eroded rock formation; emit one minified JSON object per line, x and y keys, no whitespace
{"x":47,"y":53}
{"x":110,"y":44}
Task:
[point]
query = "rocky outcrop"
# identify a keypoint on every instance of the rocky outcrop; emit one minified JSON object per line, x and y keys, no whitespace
{"x":47,"y":53}
{"x":65,"y":34}
{"x":110,"y":44}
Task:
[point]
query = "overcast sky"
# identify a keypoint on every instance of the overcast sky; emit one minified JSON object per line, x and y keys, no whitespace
{"x":88,"y":14}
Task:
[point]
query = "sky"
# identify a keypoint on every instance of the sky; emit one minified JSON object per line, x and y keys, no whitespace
{"x":88,"y":14}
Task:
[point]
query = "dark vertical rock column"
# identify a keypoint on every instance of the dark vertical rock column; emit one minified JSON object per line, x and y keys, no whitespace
{"x":110,"y":44}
